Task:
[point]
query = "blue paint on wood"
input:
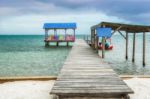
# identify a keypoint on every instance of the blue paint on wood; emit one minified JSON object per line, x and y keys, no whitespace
{"x":59,"y":25}
{"x":103,"y":32}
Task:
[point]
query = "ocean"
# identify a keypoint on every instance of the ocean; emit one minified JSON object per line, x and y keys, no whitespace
{"x":26,"y":55}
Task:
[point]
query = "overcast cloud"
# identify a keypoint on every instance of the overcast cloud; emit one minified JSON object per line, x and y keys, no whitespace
{"x":28,"y":16}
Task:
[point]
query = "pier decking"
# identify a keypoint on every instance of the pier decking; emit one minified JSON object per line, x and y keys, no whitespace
{"x":85,"y":75}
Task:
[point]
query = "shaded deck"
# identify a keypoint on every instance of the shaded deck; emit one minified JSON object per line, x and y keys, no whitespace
{"x":84,"y":74}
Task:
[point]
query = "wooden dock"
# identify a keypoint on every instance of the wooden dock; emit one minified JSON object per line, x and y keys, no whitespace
{"x":85,"y":76}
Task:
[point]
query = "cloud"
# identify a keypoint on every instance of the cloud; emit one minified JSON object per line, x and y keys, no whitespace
{"x":122,"y":8}
{"x":32,"y":13}
{"x":33,"y":24}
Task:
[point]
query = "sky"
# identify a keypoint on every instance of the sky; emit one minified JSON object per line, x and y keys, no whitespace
{"x":28,"y":16}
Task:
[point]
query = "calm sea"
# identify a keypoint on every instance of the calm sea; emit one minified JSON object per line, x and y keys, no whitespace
{"x":26,"y":55}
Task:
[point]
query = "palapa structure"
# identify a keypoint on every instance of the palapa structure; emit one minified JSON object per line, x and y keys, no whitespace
{"x":119,"y":27}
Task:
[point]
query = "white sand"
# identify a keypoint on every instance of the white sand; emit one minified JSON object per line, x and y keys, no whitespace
{"x":140,"y":86}
{"x":26,"y":90}
{"x":41,"y":89}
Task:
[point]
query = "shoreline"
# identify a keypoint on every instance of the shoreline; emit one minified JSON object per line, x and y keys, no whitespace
{"x":45,"y":78}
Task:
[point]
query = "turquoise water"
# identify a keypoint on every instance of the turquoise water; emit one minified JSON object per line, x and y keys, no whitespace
{"x":116,"y":57}
{"x":26,"y":55}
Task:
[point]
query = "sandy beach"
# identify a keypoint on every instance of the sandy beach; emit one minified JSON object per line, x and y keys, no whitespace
{"x":140,"y":86}
{"x":41,"y":89}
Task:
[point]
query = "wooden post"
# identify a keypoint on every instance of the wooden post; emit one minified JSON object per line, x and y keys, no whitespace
{"x":46,"y":34}
{"x":126,"y":45}
{"x":55,"y":36}
{"x":103,"y":48}
{"x":46,"y":43}
{"x":57,"y":43}
{"x":46,"y":37}
{"x":65,"y":33}
{"x":67,"y":43}
{"x":97,"y":41}
{"x":116,"y":29}
{"x":144,"y":43}
{"x":103,"y":45}
{"x":133,"y":53}
{"x":54,"y":32}
{"x":91,"y":38}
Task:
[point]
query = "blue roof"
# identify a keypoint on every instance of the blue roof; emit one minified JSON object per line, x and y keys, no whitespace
{"x":59,"y":25}
{"x":103,"y":32}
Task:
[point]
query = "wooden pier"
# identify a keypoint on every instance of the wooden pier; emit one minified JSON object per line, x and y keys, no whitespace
{"x":85,"y":75}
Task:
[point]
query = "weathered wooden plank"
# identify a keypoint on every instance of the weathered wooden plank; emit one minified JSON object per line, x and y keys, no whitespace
{"x":84,"y":73}
{"x":90,"y":91}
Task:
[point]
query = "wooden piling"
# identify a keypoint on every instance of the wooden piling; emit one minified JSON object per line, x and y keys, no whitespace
{"x":46,"y":37}
{"x":67,"y":43}
{"x":57,"y":43}
{"x":103,"y":48}
{"x":94,"y":41}
{"x":74,"y":31}
{"x":46,"y":44}
{"x":46,"y":34}
{"x":133,"y":53}
{"x":92,"y":38}
{"x":126,"y":45}
{"x":144,"y":48}
{"x":97,"y":41}
{"x":65,"y":33}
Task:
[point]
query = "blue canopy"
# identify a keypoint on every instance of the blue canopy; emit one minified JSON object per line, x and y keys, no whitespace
{"x":103,"y":32}
{"x":59,"y":25}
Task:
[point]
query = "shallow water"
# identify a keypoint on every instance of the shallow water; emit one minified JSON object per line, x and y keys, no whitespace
{"x":26,"y":55}
{"x":116,"y":57}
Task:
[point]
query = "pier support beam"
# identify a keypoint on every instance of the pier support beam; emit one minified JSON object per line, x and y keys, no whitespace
{"x":46,"y":37}
{"x":126,"y":45}
{"x":144,"y":48}
{"x":57,"y":43}
{"x":97,"y":41}
{"x":133,"y":53}
{"x":92,"y":38}
{"x":74,"y":31}
{"x":67,"y":43}
{"x":65,"y":33}
{"x":46,"y":44}
{"x":46,"y":34}
{"x":103,"y":48}
{"x":116,"y":29}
